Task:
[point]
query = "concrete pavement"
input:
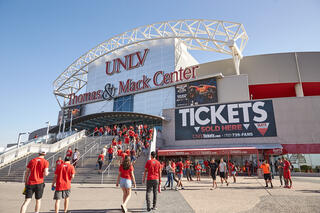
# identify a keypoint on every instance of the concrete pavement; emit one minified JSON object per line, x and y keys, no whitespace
{"x":248,"y":195}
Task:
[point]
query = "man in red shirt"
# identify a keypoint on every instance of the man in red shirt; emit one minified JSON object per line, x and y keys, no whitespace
{"x":69,"y":152}
{"x":100,"y":161}
{"x":286,"y":173}
{"x":62,"y":179}
{"x":188,"y":169}
{"x":36,"y":170}
{"x":179,"y":166}
{"x":110,"y":151}
{"x":153,"y":168}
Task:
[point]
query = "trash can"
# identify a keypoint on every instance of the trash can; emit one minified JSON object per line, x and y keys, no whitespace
{"x":260,"y":173}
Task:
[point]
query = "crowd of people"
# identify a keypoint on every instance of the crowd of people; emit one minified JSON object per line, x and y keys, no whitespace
{"x":136,"y":142}
{"x":129,"y":141}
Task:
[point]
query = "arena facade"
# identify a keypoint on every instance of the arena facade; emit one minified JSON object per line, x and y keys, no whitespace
{"x":263,"y":107}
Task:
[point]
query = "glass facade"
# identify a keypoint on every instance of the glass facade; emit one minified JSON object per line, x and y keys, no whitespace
{"x":123,"y":104}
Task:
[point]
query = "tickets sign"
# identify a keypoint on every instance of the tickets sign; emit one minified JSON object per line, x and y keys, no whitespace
{"x":232,"y":120}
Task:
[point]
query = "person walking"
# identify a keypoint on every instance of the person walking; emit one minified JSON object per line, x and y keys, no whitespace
{"x":223,"y":171}
{"x":100,"y":162}
{"x":59,"y":162}
{"x":169,"y":171}
{"x":179,"y":172}
{"x":233,"y":169}
{"x":35,"y":172}
{"x":69,"y":152}
{"x":188,"y":169}
{"x":110,"y":153}
{"x":287,"y":173}
{"x":62,"y":184}
{"x":126,"y":178}
{"x":198,"y":171}
{"x":280,"y":165}
{"x":266,"y":173}
{"x":213,"y":169}
{"x":75,"y":157}
{"x":153,"y":169}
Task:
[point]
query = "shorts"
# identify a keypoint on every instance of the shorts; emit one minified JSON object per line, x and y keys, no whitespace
{"x":125,"y":183}
{"x":58,"y":195}
{"x":37,"y":189}
{"x":267,"y":176}
{"x":222,"y":175}
{"x":133,"y":158}
{"x":110,"y":156}
{"x":179,"y":176}
{"x":214,"y":177}
{"x":233,"y":172}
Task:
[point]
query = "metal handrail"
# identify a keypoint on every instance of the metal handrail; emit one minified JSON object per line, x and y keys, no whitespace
{"x":65,"y":148}
{"x":104,"y":171}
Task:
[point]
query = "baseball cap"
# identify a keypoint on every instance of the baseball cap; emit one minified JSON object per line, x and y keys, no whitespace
{"x":42,"y":151}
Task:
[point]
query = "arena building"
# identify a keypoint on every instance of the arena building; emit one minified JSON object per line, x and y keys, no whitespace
{"x":267,"y":105}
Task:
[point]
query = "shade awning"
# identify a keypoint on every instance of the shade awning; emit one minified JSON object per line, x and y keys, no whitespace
{"x":219,"y":150}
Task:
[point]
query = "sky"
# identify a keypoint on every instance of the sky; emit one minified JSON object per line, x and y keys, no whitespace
{"x":39,"y":39}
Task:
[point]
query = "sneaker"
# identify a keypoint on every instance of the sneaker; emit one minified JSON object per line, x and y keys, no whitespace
{"x":148,"y":210}
{"x":154,"y":208}
{"x":182,"y":187}
{"x":123,"y":208}
{"x":267,"y":186}
{"x":164,"y":188}
{"x":227,"y":184}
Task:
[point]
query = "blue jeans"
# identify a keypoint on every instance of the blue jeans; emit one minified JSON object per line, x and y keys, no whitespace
{"x":170,"y":180}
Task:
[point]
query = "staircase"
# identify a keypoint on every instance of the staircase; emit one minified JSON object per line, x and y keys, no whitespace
{"x":86,"y":171}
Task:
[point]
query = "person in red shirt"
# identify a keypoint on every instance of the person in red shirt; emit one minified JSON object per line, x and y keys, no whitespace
{"x":198,"y":170}
{"x":62,"y":183}
{"x":95,"y":131}
{"x":100,"y":131}
{"x":119,"y":151}
{"x":123,"y":155}
{"x":100,"y":161}
{"x":153,"y":169}
{"x":114,"y":142}
{"x":36,"y":169}
{"x":173,"y":165}
{"x":69,"y":152}
{"x":59,"y":162}
{"x":286,"y":173}
{"x":128,"y":152}
{"x":126,"y":178}
{"x":110,"y":152}
{"x":179,"y":166}
{"x":187,"y":165}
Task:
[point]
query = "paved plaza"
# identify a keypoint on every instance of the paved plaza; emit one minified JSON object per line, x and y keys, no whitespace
{"x":248,"y":195}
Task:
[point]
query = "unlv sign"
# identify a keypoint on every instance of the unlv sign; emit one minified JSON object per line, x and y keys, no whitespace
{"x":234,"y":120}
{"x":127,"y":62}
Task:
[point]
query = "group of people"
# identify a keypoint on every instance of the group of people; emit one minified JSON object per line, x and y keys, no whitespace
{"x":130,"y":142}
{"x":126,"y":178}
{"x":36,"y":170}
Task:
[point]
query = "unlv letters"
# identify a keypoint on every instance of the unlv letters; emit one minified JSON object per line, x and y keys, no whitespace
{"x":127,"y":63}
{"x":249,"y":119}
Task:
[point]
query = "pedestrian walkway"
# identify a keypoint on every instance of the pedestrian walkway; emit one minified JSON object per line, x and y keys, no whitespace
{"x":248,"y":195}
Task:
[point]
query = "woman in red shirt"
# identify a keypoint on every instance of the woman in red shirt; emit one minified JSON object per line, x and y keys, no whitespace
{"x":198,"y":170}
{"x":100,"y":161}
{"x":126,"y":178}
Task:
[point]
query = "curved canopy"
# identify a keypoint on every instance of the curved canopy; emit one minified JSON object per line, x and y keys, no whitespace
{"x":197,"y":34}
{"x":110,"y":118}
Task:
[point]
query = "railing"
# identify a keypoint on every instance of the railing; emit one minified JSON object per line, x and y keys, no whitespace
{"x":153,"y":144}
{"x":106,"y":169}
{"x":31,"y":148}
{"x":52,"y":158}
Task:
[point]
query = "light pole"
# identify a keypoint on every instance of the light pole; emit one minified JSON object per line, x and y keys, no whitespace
{"x":48,"y":122}
{"x":19,"y":136}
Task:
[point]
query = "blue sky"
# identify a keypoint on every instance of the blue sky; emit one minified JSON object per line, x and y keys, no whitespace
{"x":39,"y":39}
